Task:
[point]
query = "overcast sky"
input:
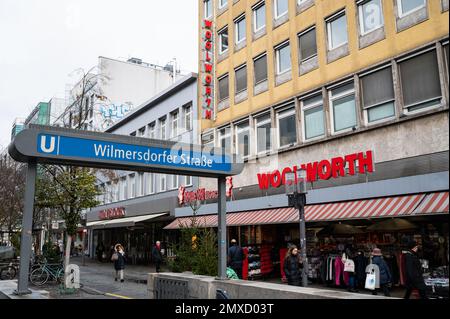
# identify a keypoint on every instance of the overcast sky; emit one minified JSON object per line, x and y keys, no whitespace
{"x":43,"y":42}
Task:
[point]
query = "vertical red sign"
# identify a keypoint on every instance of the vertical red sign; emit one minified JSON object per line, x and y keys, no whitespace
{"x":208,"y":69}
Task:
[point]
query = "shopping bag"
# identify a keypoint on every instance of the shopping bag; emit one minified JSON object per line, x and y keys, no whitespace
{"x":370,"y":282}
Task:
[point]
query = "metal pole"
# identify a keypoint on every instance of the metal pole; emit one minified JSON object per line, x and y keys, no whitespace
{"x":27,"y":221}
{"x":82,"y":249}
{"x":222,"y":229}
{"x":301,"y":210}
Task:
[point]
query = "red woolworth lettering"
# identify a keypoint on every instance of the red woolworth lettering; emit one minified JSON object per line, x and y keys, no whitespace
{"x":208,"y":114}
{"x":365,"y":162}
{"x":208,"y":24}
{"x":208,"y":79}
{"x":263,"y":181}
{"x":350,"y":159}
{"x":208,"y":67}
{"x":208,"y":57}
{"x":208,"y":102}
{"x":208,"y":90}
{"x":275,"y":179}
{"x":285,"y":171}
{"x":311,"y":171}
{"x":337,"y":167}
{"x":208,"y":45}
{"x":208,"y":34}
{"x":324,"y":170}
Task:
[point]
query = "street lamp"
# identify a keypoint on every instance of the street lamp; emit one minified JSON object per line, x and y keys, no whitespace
{"x":296,"y":192}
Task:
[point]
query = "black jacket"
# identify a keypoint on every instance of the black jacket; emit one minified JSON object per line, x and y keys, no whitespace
{"x":119,"y":264}
{"x":235,"y":256}
{"x":385,"y":272}
{"x":293,"y":270}
{"x":156,"y":255}
{"x":413,"y":271}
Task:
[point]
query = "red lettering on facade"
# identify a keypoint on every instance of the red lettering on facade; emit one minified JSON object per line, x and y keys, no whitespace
{"x":208,"y":24}
{"x":324,"y":170}
{"x":263,"y":180}
{"x":275,"y":179}
{"x":208,"y":114}
{"x":208,"y":67}
{"x":337,"y":167}
{"x":112,"y":213}
{"x":350,"y":159}
{"x":365,"y":162}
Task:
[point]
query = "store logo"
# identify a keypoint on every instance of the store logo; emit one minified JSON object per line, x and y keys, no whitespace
{"x":201,"y":194}
{"x":208,"y":80}
{"x":112,"y":213}
{"x":47,"y":144}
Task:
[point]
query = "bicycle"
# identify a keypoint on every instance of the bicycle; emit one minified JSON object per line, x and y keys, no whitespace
{"x":41,"y":275}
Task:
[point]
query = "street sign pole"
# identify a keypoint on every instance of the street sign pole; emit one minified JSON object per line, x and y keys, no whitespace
{"x":27,"y":223}
{"x":222,"y":228}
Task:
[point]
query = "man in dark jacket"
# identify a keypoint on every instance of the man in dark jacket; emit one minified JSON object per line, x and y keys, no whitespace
{"x":157,"y":256}
{"x":385,"y":272}
{"x":236,"y":258}
{"x":413,"y":272}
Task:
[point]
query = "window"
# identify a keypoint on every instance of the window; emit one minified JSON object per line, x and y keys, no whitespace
{"x":208,"y":9}
{"x":283,"y":58}
{"x":308,"y":45}
{"x":287,"y":133}
{"x":108,"y":193}
{"x":445,"y":46}
{"x":141,"y":184}
{"x":240,"y":29}
{"x":188,"y":118}
{"x":260,"y":65}
{"x":370,"y":15}
{"x":150,"y":183}
{"x":141,"y":132}
{"x":406,"y":7}
{"x":133,"y":133}
{"x":162,"y":125}
{"x":223,"y":40}
{"x":116,"y":190}
{"x":281,"y":8}
{"x":174,"y":126}
{"x":241,"y":78}
{"x":243,"y":139}
{"x":174,"y":181}
{"x":223,"y":88}
{"x":377,"y":90}
{"x":132,"y":186}
{"x":162,"y":182}
{"x":124,"y":188}
{"x":313,"y":117}
{"x":419,"y":77}
{"x":208,"y":140}
{"x":259,"y":17}
{"x":337,"y":31}
{"x":151,"y":130}
{"x":263,"y":133}
{"x":225,"y":139}
{"x":188,"y":180}
{"x":343,"y":107}
{"x":222,"y":3}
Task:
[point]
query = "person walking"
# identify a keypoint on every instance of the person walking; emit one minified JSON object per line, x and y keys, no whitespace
{"x":385,"y":272}
{"x":118,"y":257}
{"x":157,"y":256}
{"x":413,"y":271}
{"x":236,"y":258}
{"x":293,"y":266}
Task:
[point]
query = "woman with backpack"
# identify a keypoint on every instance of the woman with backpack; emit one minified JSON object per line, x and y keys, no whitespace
{"x":118,"y":258}
{"x":293,"y":266}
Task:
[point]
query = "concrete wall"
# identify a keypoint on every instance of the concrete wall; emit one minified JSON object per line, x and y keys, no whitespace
{"x":204,"y":287}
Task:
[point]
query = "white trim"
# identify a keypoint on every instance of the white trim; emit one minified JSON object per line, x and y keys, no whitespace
{"x":239,"y":130}
{"x":277,"y":57}
{"x":204,"y":8}
{"x":402,"y":14}
{"x":331,"y":19}
{"x":281,"y":115}
{"x":386,"y":119}
{"x":255,"y":8}
{"x":361,"y":17}
{"x":221,"y":6}
{"x":275,"y":8}
{"x":309,"y":107}
{"x":236,"y":29}
{"x":332,"y":98}
{"x":258,"y":124}
{"x":220,"y":34}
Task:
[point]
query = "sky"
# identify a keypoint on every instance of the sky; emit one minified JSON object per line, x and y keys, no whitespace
{"x":43,"y":42}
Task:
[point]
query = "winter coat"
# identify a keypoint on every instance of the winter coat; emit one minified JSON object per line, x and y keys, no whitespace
{"x":293,"y":270}
{"x":235,"y":256}
{"x":413,"y":271}
{"x":374,"y":269}
{"x":119,"y":264}
{"x":385,"y":272}
{"x":156,"y":254}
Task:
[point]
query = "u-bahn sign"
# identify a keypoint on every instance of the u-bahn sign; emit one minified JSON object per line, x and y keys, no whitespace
{"x":52,"y":145}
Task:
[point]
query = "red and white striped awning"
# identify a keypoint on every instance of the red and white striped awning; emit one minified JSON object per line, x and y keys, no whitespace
{"x":398,"y":206}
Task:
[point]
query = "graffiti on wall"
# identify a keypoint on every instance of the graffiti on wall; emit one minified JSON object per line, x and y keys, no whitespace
{"x":114,"y":112}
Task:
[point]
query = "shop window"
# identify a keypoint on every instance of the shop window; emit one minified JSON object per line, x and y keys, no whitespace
{"x":283,"y":58}
{"x":225,"y":139}
{"x":260,"y":66}
{"x":406,"y":7}
{"x":281,"y":8}
{"x":377,"y":90}
{"x":263,"y":134}
{"x":223,"y":88}
{"x":313,"y":117}
{"x":243,"y":139}
{"x":420,"y":82}
{"x":343,"y":108}
{"x":287,"y":128}
{"x":370,"y":16}
{"x":259,"y":17}
{"x":208,"y":9}
{"x":337,"y":31}
{"x":308,"y":45}
{"x":241,"y":78}
{"x":162,"y":125}
{"x":240,"y":29}
{"x":223,"y":40}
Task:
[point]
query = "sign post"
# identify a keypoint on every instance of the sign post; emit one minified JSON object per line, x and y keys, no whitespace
{"x":222,"y":229}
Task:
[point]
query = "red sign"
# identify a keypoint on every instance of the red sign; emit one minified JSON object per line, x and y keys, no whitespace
{"x":201,"y":194}
{"x":208,"y":65}
{"x":323,"y":170}
{"x":112,"y":213}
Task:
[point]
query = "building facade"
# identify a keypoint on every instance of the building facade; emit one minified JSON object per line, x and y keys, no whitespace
{"x":135,"y":206}
{"x":354,"y":92}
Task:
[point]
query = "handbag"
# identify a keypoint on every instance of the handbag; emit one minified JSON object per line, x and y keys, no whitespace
{"x":114,"y":257}
{"x":349,"y":266}
{"x":370,"y":281}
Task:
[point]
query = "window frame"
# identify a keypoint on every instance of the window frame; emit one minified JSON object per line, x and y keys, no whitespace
{"x":223,"y":5}
{"x":360,"y":5}
{"x":162,"y":177}
{"x":132,"y":186}
{"x":151,"y":130}
{"x":332,"y":98}
{"x":188,"y":114}
{"x":255,"y":8}
{"x":205,"y":5}
{"x":236,"y":21}
{"x":227,"y":134}
{"x":150,"y":182}
{"x":242,"y":66}
{"x":288,"y":111}
{"x":276,"y":14}
{"x":163,"y":127}
{"x":262,"y":123}
{"x":402,"y":14}
{"x":239,"y":130}
{"x":226,"y":75}
{"x":328,"y":22}
{"x":186,"y":180}
{"x":220,"y":34}
{"x":309,"y":107}
{"x":177,"y":179}
{"x":254,"y":73}
{"x":174,"y":119}
{"x":299,"y":46}
{"x":278,"y":48}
